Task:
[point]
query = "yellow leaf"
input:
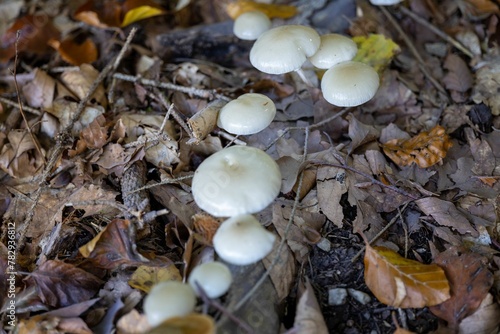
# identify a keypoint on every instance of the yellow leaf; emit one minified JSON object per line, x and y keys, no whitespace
{"x":400,"y":282}
{"x":144,"y":277}
{"x":86,"y":249}
{"x":140,"y":13}
{"x":193,"y":323}
{"x":375,"y":50}
{"x":239,"y":7}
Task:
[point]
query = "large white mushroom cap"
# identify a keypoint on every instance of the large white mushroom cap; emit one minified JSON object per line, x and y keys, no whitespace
{"x":241,"y":240}
{"x":250,"y":25}
{"x":214,"y":278}
{"x":334,"y":49}
{"x":284,"y":49}
{"x":349,"y":84}
{"x":167,"y":300}
{"x":236,"y":180}
{"x":248,"y":114}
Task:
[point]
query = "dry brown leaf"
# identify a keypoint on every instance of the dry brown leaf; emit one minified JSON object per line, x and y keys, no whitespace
{"x":481,"y":7}
{"x":470,"y":281}
{"x":445,"y":213}
{"x":79,"y":82}
{"x":40,"y":91}
{"x":308,"y":316}
{"x":235,"y":9}
{"x":485,"y":320}
{"x":459,"y":77}
{"x":425,"y":149}
{"x":205,"y":227}
{"x":61,"y":284}
{"x":132,"y":323}
{"x":144,"y":277}
{"x":400,"y":282}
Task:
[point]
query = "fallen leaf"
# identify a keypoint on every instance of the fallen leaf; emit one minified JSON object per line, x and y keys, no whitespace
{"x":308,"y":316}
{"x":112,"y":247}
{"x":193,"y":323}
{"x":425,"y":149}
{"x":375,"y":50}
{"x":61,"y":284}
{"x":40,"y":91}
{"x":459,"y":77}
{"x":404,"y":283}
{"x":485,"y":320}
{"x":144,"y":277}
{"x":205,"y":227}
{"x":235,"y":9}
{"x":470,"y":280}
{"x":481,"y":7}
{"x":136,"y":10}
{"x":76,"y":51}
{"x":132,"y":323}
{"x":80,"y":82}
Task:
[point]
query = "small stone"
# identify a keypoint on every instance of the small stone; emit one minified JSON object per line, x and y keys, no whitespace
{"x":324,"y":245}
{"x":337,"y":296}
{"x":359,"y":296}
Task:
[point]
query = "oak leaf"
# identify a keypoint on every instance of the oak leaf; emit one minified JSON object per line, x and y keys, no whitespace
{"x":425,"y":149}
{"x":404,"y":283}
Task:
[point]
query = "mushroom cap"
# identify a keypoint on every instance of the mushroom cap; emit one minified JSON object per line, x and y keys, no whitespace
{"x":248,"y":114}
{"x":250,"y":25}
{"x":385,"y":2}
{"x":284,"y":49}
{"x":167,"y":300}
{"x":214,"y":277}
{"x":236,"y":180}
{"x":349,"y":84}
{"x":241,"y":240}
{"x":334,"y":49}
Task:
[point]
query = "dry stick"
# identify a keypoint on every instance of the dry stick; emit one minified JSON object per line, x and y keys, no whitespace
{"x":28,"y":127}
{"x":276,"y":258}
{"x":180,"y":178}
{"x":19,"y":106}
{"x":175,"y":114}
{"x":437,"y":31}
{"x":204,"y":93}
{"x":54,"y":156}
{"x":393,"y":220}
{"x":413,"y":50}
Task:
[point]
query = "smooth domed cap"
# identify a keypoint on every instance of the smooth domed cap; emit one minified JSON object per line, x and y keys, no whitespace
{"x":167,"y":300}
{"x":385,"y":2}
{"x":236,"y":180}
{"x":334,"y":49}
{"x":284,"y":49}
{"x":214,"y":278}
{"x":241,"y":240}
{"x":349,"y":84}
{"x":250,"y":25}
{"x":248,"y":114}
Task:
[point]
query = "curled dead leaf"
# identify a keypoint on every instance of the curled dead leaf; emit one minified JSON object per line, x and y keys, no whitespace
{"x":425,"y":149}
{"x":239,"y":7}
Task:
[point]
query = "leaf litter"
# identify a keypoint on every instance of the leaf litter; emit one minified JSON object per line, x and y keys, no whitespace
{"x":413,"y":171}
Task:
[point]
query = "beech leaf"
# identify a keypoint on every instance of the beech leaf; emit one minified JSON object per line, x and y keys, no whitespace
{"x":404,"y":283}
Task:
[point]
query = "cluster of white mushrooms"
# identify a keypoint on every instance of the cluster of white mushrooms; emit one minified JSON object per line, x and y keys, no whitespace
{"x":240,"y":181}
{"x":284,"y":49}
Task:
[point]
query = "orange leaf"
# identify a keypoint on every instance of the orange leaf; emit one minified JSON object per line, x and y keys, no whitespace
{"x":400,"y":282}
{"x":190,"y":324}
{"x":239,"y":7}
{"x":205,"y":226}
{"x":76,"y":52}
{"x":425,"y":149}
{"x":103,"y":15}
{"x":483,"y":7}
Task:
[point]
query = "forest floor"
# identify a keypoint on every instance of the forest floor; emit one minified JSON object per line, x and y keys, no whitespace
{"x":386,"y":220}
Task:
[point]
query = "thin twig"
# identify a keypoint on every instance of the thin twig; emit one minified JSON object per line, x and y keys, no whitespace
{"x":413,"y":50}
{"x":171,"y":109}
{"x":168,"y":181}
{"x":19,"y":106}
{"x":204,"y":93}
{"x":28,"y":127}
{"x":437,"y":31}
{"x":393,"y":220}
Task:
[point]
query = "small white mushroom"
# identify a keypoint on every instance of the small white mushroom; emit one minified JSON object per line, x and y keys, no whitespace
{"x":236,"y":180}
{"x":334,"y":49}
{"x":214,"y":278}
{"x":385,"y":2}
{"x":248,"y":114}
{"x":167,"y":300}
{"x":284,"y":49}
{"x":349,"y":84}
{"x":250,"y":25}
{"x":241,"y":240}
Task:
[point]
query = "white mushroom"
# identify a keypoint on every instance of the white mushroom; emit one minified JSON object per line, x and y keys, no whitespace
{"x":349,"y":84}
{"x":334,"y":49}
{"x":250,"y":25}
{"x":167,"y":300}
{"x":236,"y":180}
{"x":284,"y":49}
{"x":248,"y":114}
{"x":241,"y":240}
{"x":385,"y":2}
{"x":214,"y":278}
